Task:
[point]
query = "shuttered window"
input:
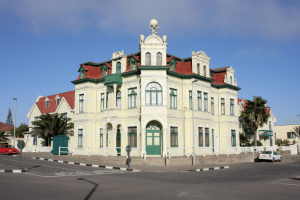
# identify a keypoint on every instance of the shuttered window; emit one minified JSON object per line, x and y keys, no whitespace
{"x":173,"y":98}
{"x":80,"y":135}
{"x":200,"y":137}
{"x":132,"y":97}
{"x":132,"y":134}
{"x":206,"y":137}
{"x":174,"y":136}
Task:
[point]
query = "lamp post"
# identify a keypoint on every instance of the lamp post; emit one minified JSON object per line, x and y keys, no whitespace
{"x":15,"y":121}
{"x":298,"y":135}
{"x":193,"y":122}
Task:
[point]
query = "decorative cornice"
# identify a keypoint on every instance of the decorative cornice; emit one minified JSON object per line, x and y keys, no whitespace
{"x":190,"y":76}
{"x":153,"y":67}
{"x":225,"y":86}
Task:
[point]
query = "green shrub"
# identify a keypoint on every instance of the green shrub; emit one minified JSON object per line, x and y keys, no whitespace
{"x":258,"y":143}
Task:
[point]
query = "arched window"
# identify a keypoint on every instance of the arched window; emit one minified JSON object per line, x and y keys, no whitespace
{"x":118,"y":68}
{"x":148,"y":59}
{"x":204,"y":71}
{"x":153,"y":94}
{"x":198,"y":69}
{"x":119,"y":99}
{"x":158,"y":59}
{"x":231,"y":80}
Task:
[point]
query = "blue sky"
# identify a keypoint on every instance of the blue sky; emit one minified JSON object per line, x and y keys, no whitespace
{"x":43,"y":43}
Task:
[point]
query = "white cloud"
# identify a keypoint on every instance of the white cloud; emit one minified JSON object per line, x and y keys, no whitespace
{"x":271,"y":20}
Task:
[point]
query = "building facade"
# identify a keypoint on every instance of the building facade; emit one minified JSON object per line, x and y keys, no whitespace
{"x":146,"y":100}
{"x":287,"y":132}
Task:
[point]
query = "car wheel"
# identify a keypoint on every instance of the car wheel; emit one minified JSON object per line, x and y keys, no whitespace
{"x":6,"y":153}
{"x":280,"y":160}
{"x":273,"y":160}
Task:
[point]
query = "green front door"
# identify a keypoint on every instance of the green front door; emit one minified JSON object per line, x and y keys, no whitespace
{"x":153,"y":139}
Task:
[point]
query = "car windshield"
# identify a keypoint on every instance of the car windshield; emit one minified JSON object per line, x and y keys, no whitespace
{"x":10,"y":146}
{"x":267,"y":152}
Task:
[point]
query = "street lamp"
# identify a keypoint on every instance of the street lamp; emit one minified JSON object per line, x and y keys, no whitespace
{"x":298,"y":135}
{"x":193,"y":122}
{"x":15,"y":121}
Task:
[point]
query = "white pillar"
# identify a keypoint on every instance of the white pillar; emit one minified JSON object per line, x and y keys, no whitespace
{"x":115,"y":96}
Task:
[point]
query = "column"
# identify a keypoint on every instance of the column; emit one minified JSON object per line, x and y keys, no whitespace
{"x":165,"y":138}
{"x":115,"y":97}
{"x":105,"y":96}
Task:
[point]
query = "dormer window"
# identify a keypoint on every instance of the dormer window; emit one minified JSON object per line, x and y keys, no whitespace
{"x":148,"y":59}
{"x":47,"y":103}
{"x":82,"y":73}
{"x":57,"y":101}
{"x":132,"y":63}
{"x":118,"y":68}
{"x":158,"y":59}
{"x":172,"y":65}
{"x":104,"y":70}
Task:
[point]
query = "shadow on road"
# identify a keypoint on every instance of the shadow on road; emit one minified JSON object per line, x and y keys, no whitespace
{"x":92,"y":191}
{"x":34,"y":166}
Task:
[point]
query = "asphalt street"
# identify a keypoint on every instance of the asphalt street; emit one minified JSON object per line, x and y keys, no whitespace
{"x":51,"y":180}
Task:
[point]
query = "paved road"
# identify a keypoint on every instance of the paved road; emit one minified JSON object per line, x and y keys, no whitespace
{"x":48,"y":180}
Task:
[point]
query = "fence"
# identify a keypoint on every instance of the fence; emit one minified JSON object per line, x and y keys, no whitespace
{"x":36,"y":149}
{"x":204,"y":151}
{"x":105,"y":151}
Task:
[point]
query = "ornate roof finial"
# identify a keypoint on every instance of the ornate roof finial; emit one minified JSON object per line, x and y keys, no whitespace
{"x":153,"y":26}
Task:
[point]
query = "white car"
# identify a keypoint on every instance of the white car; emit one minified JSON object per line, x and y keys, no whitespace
{"x":270,"y":155}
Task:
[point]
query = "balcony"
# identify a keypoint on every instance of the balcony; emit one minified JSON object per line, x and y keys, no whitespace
{"x":113,"y":79}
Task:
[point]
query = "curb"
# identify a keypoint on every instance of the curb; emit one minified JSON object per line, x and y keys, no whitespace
{"x":84,"y":164}
{"x":290,"y":158}
{"x":207,"y":169}
{"x":14,"y":170}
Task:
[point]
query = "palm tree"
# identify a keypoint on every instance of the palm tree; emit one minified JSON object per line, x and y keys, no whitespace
{"x":3,"y":138}
{"x":255,"y":114}
{"x":50,"y":125}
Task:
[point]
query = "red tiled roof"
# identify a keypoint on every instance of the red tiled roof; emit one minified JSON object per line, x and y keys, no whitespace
{"x":6,"y":127}
{"x":183,"y":66}
{"x":69,"y":97}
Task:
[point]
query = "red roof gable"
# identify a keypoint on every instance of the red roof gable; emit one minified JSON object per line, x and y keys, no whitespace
{"x":6,"y":127}
{"x":69,"y":97}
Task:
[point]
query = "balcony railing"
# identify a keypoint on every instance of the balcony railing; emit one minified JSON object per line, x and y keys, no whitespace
{"x":113,"y":79}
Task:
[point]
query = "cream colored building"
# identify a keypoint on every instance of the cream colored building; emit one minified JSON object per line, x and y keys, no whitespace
{"x":265,"y":133}
{"x":286,"y":132}
{"x":62,"y":103}
{"x":145,"y":100}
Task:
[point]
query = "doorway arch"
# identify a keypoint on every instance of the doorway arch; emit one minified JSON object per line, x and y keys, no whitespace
{"x":153,"y":138}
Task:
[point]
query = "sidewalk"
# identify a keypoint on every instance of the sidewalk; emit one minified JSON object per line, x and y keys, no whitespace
{"x":141,"y":168}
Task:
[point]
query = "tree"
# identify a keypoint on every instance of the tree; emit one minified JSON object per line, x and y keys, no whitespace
{"x":9,"y":120}
{"x":51,"y":125}
{"x":3,"y":138}
{"x":255,"y":114}
{"x":244,"y":141}
{"x":21,"y":129}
